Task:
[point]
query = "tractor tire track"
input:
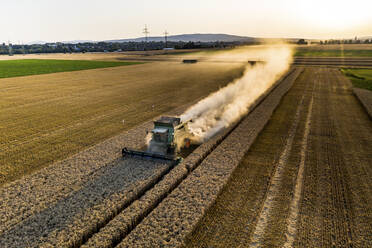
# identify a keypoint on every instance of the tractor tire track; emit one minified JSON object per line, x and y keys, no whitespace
{"x":294,"y":207}
{"x":272,"y":194}
{"x":275,"y":183}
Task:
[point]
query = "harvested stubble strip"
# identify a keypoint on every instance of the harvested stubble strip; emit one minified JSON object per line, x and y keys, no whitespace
{"x":365,"y":97}
{"x":122,"y":224}
{"x":35,"y":192}
{"x":68,"y":221}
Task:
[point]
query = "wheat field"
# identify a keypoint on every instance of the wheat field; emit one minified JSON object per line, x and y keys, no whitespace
{"x":46,"y":118}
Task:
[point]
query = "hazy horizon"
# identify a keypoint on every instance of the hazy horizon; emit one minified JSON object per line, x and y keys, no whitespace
{"x":28,"y":21}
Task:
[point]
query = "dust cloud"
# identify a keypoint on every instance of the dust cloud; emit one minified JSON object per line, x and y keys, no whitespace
{"x":224,"y":107}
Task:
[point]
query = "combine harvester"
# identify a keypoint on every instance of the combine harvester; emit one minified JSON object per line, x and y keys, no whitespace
{"x":167,"y":133}
{"x":190,"y":61}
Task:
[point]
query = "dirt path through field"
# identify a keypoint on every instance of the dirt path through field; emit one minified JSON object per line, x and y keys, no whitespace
{"x":323,"y":196}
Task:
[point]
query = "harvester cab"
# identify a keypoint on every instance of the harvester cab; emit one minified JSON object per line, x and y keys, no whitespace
{"x":163,"y":143}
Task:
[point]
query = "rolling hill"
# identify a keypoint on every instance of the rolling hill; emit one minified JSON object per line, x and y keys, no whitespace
{"x":191,"y":37}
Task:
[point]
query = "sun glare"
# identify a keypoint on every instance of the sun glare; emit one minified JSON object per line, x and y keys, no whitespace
{"x":335,"y":15}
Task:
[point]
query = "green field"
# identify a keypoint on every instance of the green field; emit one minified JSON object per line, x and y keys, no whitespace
{"x":25,"y":67}
{"x":301,"y":52}
{"x":361,"y":78}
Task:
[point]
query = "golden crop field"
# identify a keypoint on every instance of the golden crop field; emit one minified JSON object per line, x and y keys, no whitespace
{"x":112,"y":56}
{"x":46,"y":118}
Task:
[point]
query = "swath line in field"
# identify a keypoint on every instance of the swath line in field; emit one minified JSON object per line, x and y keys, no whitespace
{"x":261,"y":225}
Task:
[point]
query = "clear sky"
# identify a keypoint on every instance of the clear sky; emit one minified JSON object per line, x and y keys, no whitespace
{"x":52,"y":20}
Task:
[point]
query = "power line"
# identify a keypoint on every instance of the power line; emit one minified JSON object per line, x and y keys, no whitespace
{"x":146,"y":32}
{"x":10,"y":48}
{"x":166,"y":38}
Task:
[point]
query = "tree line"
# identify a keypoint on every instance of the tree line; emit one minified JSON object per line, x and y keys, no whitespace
{"x":108,"y":47}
